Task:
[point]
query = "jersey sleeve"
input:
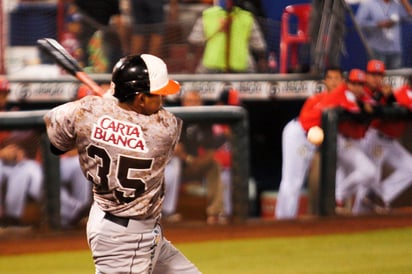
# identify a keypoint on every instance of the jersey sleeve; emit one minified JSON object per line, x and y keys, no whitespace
{"x":310,"y":115}
{"x":60,"y":125}
{"x":176,"y":140}
{"x":403,"y":97}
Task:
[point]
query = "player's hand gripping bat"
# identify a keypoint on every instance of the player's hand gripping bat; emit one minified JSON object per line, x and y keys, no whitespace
{"x":60,"y":55}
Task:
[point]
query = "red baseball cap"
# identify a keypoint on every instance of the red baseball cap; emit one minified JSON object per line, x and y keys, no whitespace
{"x":375,"y":66}
{"x":356,"y":76}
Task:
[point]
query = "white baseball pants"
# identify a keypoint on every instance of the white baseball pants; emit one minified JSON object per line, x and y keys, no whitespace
{"x":138,"y":247}
{"x":384,"y":150}
{"x":297,"y":154}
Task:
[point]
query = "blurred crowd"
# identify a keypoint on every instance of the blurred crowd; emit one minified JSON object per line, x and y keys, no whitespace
{"x":97,"y":32}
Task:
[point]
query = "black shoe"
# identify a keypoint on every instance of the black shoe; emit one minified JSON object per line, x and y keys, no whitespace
{"x":375,"y":204}
{"x":375,"y":198}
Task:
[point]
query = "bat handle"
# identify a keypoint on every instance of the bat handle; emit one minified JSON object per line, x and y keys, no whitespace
{"x":85,"y":79}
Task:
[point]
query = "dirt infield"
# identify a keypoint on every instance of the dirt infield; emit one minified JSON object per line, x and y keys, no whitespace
{"x":32,"y":241}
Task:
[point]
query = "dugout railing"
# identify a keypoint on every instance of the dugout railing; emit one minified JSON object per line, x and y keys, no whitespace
{"x":41,"y":89}
{"x":235,"y":117}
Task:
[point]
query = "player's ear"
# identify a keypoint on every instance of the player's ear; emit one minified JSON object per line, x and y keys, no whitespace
{"x":139,"y":99}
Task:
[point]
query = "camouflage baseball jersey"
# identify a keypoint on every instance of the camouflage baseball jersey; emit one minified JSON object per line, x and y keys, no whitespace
{"x":122,"y":152}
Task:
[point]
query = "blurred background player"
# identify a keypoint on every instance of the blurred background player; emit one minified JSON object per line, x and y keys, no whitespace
{"x":297,"y":151}
{"x":223,"y":153}
{"x":382,"y":144}
{"x":196,"y":151}
{"x":359,"y":171}
{"x":21,"y":174}
{"x":173,"y":173}
{"x":75,"y":191}
{"x":222,"y":156}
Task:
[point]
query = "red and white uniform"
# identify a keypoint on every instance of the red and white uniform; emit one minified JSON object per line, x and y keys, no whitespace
{"x":343,"y":98}
{"x":309,"y":115}
{"x":404,"y":96}
{"x":392,"y":128}
{"x":351,"y":160}
{"x":297,"y":154}
{"x":23,"y":178}
{"x":382,"y":145}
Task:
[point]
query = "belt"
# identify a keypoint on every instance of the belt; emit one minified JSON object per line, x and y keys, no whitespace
{"x":118,"y":220}
{"x":131,"y":223}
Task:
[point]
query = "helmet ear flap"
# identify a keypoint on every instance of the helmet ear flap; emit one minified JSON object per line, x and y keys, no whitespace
{"x":123,"y":92}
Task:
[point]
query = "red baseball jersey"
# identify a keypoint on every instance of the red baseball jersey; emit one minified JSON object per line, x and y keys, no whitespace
{"x":309,"y":115}
{"x":403,"y":96}
{"x":121,"y":152}
{"x":344,"y":98}
{"x":395,"y":128}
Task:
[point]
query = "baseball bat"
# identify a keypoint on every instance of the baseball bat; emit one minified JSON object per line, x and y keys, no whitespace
{"x":63,"y":58}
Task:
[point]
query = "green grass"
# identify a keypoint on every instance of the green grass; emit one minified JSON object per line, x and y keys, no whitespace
{"x":378,"y":252}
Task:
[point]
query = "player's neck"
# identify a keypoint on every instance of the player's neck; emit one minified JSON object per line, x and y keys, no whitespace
{"x":130,"y":107}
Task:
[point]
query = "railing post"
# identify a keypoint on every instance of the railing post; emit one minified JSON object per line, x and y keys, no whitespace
{"x":240,"y":169}
{"x":328,"y":163}
{"x":51,"y":165}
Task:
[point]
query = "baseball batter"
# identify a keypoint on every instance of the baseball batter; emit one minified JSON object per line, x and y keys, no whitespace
{"x":297,"y":151}
{"x":124,"y":146}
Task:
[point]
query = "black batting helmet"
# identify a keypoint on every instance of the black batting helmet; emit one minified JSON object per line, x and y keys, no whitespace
{"x":143,"y":73}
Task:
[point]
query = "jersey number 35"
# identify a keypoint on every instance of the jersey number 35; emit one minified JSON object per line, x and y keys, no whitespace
{"x":129,"y":188}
